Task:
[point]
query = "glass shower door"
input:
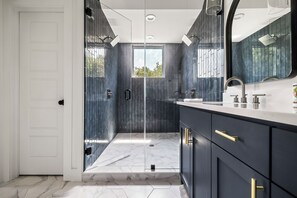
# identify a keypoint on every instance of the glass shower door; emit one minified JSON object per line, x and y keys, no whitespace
{"x":163,"y":86}
{"x":105,"y":31}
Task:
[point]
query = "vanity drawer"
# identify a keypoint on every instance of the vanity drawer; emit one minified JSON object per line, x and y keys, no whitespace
{"x":197,"y":120}
{"x":284,"y":161}
{"x":245,"y":140}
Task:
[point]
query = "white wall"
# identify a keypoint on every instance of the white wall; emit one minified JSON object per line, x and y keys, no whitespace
{"x":1,"y":98}
{"x":9,"y":84}
{"x":277,"y":92}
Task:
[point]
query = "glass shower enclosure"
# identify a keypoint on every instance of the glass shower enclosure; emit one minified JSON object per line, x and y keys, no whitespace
{"x":131,"y":89}
{"x":103,"y":92}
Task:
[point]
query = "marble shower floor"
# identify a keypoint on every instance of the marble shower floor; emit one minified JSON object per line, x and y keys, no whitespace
{"x":130,"y":153}
{"x":50,"y":186}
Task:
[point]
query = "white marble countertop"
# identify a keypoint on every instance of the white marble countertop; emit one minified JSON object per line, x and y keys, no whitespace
{"x":274,"y":113}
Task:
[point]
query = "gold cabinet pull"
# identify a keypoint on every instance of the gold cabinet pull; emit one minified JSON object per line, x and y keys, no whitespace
{"x":254,"y":188}
{"x":187,"y":136}
{"x":225,"y":135}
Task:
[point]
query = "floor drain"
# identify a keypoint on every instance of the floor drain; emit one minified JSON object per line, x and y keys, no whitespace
{"x":151,"y":145}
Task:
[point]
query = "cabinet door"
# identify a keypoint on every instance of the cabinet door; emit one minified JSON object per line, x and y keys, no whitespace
{"x":231,"y":178}
{"x":186,"y":161}
{"x":276,"y":192}
{"x":284,"y":161}
{"x":201,"y":166}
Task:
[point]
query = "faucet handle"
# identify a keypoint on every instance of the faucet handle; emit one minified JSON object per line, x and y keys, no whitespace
{"x":256,"y":98}
{"x":235,"y":100}
{"x":243,"y":99}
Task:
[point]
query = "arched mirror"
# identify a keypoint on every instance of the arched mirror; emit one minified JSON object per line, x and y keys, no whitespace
{"x":261,"y":40}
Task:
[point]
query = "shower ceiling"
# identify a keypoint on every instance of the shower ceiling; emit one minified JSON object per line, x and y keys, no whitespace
{"x":169,"y":26}
{"x":173,"y":19}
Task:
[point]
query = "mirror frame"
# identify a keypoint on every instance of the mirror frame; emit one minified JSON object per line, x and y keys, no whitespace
{"x":228,"y":37}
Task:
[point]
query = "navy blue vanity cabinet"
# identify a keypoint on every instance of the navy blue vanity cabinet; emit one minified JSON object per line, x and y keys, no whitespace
{"x":186,"y":160}
{"x":247,"y":141}
{"x":276,"y":192}
{"x":201,"y":166}
{"x":284,"y":159}
{"x":196,"y":152}
{"x":231,"y":178}
{"x":199,"y":121}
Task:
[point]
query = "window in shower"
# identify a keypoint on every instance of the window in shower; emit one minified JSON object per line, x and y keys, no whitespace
{"x":154,"y":62}
{"x":210,"y":63}
{"x":95,"y":62}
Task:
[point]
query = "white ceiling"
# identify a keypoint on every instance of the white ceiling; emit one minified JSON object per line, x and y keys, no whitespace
{"x":254,"y":20}
{"x":154,"y":4}
{"x":174,"y":18}
{"x":169,"y":26}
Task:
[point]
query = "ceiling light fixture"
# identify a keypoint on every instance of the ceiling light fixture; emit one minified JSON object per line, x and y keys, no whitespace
{"x":150,"y":37}
{"x":239,"y":16}
{"x":150,"y":17}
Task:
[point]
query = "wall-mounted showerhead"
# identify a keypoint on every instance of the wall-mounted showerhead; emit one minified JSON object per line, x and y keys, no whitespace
{"x":115,"y":41}
{"x":108,"y":39}
{"x":189,"y":40}
{"x":268,"y":39}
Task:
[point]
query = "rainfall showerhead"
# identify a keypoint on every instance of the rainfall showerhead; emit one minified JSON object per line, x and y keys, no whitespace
{"x":268,"y":39}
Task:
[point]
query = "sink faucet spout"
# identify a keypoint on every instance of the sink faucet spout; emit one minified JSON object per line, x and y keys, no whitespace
{"x":234,"y":78}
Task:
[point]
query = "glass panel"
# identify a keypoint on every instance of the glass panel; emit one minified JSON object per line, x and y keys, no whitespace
{"x":163,"y":88}
{"x":105,"y":30}
{"x":154,"y":60}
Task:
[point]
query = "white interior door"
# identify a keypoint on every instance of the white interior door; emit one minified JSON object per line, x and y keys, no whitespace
{"x":41,"y":87}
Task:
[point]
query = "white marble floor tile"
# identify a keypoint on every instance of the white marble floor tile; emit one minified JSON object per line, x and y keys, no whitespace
{"x":131,"y":153}
{"x":49,"y":187}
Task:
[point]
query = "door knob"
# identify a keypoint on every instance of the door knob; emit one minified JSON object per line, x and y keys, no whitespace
{"x":61,"y":102}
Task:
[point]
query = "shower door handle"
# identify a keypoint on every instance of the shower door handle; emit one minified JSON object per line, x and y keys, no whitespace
{"x":128,"y":94}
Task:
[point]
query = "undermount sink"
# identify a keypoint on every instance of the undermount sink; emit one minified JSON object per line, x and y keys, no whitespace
{"x":227,"y":104}
{"x":214,"y":103}
{"x":192,"y":100}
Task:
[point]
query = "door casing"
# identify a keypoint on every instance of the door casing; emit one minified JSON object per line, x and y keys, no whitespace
{"x":73,"y":84}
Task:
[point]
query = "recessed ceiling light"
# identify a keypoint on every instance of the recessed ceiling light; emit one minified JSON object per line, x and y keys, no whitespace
{"x":150,"y":37}
{"x":150,"y":17}
{"x":239,"y":16}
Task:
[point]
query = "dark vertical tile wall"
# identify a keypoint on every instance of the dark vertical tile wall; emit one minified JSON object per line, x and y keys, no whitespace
{"x":162,"y":112}
{"x":271,"y":61}
{"x":100,"y":111}
{"x":208,"y":40}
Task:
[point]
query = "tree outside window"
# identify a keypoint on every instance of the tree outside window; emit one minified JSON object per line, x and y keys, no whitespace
{"x":154,"y":62}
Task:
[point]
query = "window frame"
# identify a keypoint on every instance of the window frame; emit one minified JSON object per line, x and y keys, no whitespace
{"x":145,"y":47}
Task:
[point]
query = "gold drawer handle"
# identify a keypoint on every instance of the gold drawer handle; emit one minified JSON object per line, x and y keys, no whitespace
{"x":187,"y":136}
{"x":254,"y":188}
{"x":225,"y":135}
